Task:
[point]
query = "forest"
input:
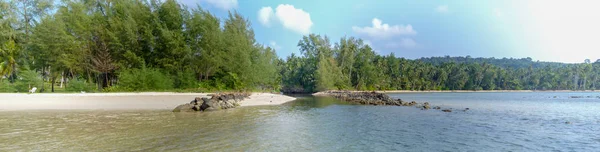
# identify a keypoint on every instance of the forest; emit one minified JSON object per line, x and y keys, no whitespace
{"x":140,"y":45}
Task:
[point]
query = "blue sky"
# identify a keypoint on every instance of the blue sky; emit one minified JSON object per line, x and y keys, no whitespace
{"x":563,"y":31}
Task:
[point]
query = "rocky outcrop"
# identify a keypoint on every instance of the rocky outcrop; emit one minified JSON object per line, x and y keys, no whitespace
{"x":362,"y":97}
{"x":216,"y":102}
{"x":375,"y":98}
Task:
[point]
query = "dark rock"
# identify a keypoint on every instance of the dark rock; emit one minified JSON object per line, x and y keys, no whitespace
{"x":361,"y":97}
{"x":447,"y":110}
{"x":426,"y":106}
{"x":216,"y":102}
{"x":437,"y":107}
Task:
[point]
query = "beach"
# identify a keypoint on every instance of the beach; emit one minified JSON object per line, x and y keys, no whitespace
{"x":119,"y":101}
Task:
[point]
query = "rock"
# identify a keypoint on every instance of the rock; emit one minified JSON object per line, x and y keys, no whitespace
{"x":371,"y":98}
{"x":447,"y":110}
{"x":437,"y":107}
{"x":412,"y":103}
{"x":567,"y":122}
{"x":216,"y":102}
{"x":184,"y":108}
{"x":361,"y":97}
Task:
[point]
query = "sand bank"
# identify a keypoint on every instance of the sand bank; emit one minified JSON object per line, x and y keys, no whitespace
{"x":119,"y":101}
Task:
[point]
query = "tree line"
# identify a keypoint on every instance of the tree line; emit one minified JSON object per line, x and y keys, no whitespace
{"x":351,"y":64}
{"x":130,"y":45}
{"x":152,"y":45}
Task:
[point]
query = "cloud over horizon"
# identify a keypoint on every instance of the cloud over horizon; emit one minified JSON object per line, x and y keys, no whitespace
{"x":379,"y":30}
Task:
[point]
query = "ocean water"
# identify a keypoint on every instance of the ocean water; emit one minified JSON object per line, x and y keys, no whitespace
{"x":539,"y":121}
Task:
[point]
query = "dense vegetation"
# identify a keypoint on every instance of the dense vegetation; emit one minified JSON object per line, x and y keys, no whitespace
{"x":130,"y":45}
{"x":139,"y":45}
{"x":351,"y":64}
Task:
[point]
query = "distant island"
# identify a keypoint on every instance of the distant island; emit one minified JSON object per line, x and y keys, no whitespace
{"x":137,"y":46}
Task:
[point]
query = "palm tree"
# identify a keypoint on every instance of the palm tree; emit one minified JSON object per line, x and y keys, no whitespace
{"x":8,"y":60}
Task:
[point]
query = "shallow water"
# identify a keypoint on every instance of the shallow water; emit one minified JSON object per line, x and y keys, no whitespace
{"x":496,"y":122}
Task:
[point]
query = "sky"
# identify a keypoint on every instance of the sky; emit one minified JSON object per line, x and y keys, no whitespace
{"x":545,"y":30}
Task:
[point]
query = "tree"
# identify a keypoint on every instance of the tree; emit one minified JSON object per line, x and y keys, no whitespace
{"x":9,"y":59}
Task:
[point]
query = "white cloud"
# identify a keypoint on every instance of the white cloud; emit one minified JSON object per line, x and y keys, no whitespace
{"x":384,"y":31}
{"x":295,"y":19}
{"x":402,"y":43}
{"x":442,"y":9}
{"x":223,"y":4}
{"x":274,"y":45}
{"x":264,"y":15}
{"x":290,"y":17}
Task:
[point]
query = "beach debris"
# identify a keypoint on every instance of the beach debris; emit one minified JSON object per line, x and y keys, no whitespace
{"x":33,"y":90}
{"x":216,"y":102}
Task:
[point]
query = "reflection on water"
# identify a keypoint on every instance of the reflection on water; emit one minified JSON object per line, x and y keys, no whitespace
{"x":497,"y":121}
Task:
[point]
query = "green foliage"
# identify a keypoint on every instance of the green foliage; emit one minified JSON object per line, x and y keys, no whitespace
{"x":144,"y":79}
{"x":77,"y":85}
{"x":231,"y":80}
{"x":6,"y":86}
{"x":27,"y":80}
{"x":185,"y":79}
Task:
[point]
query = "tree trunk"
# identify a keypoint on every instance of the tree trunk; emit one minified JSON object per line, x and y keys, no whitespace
{"x":62,"y":80}
{"x":53,"y":79}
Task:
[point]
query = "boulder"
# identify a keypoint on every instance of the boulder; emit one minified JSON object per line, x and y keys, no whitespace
{"x":447,"y":110}
{"x":216,"y":102}
{"x":184,"y":108}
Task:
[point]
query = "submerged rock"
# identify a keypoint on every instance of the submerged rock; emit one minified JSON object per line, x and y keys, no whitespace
{"x":216,"y":102}
{"x":375,"y":98}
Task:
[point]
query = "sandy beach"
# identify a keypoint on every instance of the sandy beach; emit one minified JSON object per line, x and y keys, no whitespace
{"x":119,"y":101}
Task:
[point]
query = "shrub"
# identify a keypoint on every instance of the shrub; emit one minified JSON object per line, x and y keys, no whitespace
{"x":77,"y":85}
{"x":144,"y":79}
{"x":232,"y":81}
{"x":27,"y":80}
{"x":185,"y":79}
{"x":5,"y":86}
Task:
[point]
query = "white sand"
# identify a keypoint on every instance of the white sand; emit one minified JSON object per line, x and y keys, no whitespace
{"x":122,"y":101}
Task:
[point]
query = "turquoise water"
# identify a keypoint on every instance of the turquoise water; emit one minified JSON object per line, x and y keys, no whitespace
{"x":496,"y":122}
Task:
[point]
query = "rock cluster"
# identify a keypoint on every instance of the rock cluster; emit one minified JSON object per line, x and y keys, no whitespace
{"x":362,"y":97}
{"x":216,"y":102}
{"x":375,"y":98}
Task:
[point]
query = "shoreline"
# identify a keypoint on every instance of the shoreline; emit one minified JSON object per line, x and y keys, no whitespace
{"x":119,"y":101}
{"x":481,"y":91}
